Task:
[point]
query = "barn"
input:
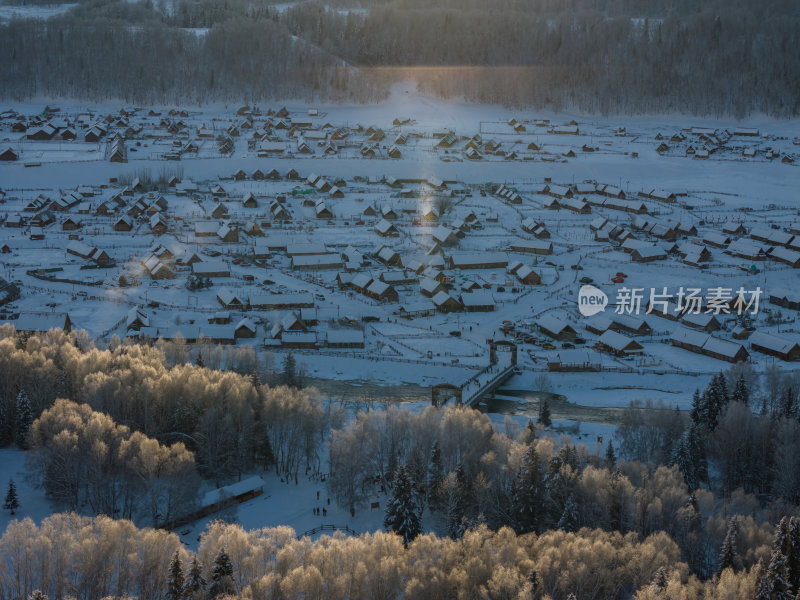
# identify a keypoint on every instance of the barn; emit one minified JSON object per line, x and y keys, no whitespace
{"x":478,"y":301}
{"x":774,"y":345}
{"x":345,"y":338}
{"x":8,"y":154}
{"x":555,"y":328}
{"x":478,"y":260}
{"x":618,"y":344}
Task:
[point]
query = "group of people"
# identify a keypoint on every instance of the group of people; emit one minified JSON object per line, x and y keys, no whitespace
{"x":316,"y":510}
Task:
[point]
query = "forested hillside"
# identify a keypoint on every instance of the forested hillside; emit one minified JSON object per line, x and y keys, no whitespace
{"x":690,"y":505}
{"x":707,"y":58}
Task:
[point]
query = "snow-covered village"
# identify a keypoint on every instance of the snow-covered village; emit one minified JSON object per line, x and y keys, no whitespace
{"x":429,"y":345}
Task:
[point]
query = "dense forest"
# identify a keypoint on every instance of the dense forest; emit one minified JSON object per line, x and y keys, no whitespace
{"x":69,"y":556}
{"x":676,"y":503}
{"x":602,"y":56}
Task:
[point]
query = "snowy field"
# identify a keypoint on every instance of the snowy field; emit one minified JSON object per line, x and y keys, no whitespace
{"x":302,"y":263}
{"x":431,"y":191}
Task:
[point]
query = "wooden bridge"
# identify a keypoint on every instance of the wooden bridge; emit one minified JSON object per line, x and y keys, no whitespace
{"x":320,"y":528}
{"x":502,"y":365}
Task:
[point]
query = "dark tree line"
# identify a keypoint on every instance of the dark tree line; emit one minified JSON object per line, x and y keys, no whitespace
{"x":117,"y":50}
{"x":706,"y":58}
{"x":602,"y":56}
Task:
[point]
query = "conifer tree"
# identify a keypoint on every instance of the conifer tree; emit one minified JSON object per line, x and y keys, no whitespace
{"x":729,"y":557}
{"x":789,"y":404}
{"x":12,"y":500}
{"x":402,"y":513}
{"x":434,"y":475}
{"x":528,"y":493}
{"x":660,"y":582}
{"x":6,"y":425}
{"x":683,"y":459}
{"x":696,"y":413}
{"x":793,"y":557}
{"x":195,"y":585}
{"x":773,"y":584}
{"x":781,"y":541}
{"x":611,"y":458}
{"x":697,"y":454}
{"x":289,"y":375}
{"x":569,"y":518}
{"x":24,"y":419}
{"x":715,"y":399}
{"x":417,"y":474}
{"x":221,"y":576}
{"x":535,"y":584}
{"x":175,"y":580}
{"x":740,"y":391}
{"x":544,"y":414}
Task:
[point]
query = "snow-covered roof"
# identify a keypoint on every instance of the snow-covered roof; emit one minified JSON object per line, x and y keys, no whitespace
{"x":233,"y":490}
{"x":772,"y":342}
{"x":618,"y":342}
{"x":345,"y":336}
{"x":478,"y":298}
{"x":551,"y":324}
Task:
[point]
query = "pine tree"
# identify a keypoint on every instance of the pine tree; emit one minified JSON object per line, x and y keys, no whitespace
{"x":289,"y":375}
{"x":221,"y":576}
{"x":195,"y":584}
{"x":697,"y":454}
{"x":615,"y":505}
{"x":714,"y":401}
{"x":24,"y":419}
{"x":417,"y":474}
{"x":793,"y":557}
{"x":569,"y":518}
{"x":12,"y":500}
{"x":611,"y":458}
{"x":683,"y":459}
{"x":451,"y":501}
{"x":696,"y":413}
{"x":544,"y":414}
{"x":729,"y":557}
{"x":773,"y":584}
{"x":740,"y":391}
{"x":6,"y":425}
{"x":535,"y":584}
{"x":660,"y":582}
{"x":402,"y":513}
{"x":434,"y":475}
{"x":528,"y":494}
{"x":175,"y":580}
{"x":781,"y":541}
{"x":789,"y":404}
{"x":695,"y":520}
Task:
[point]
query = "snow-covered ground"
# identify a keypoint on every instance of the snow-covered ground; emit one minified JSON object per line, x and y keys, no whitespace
{"x":724,"y":190}
{"x":32,"y":502}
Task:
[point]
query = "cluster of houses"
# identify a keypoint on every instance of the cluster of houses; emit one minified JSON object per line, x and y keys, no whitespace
{"x":703,"y":142}
{"x":278,"y":133}
{"x":617,"y":336}
{"x":444,"y":273}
